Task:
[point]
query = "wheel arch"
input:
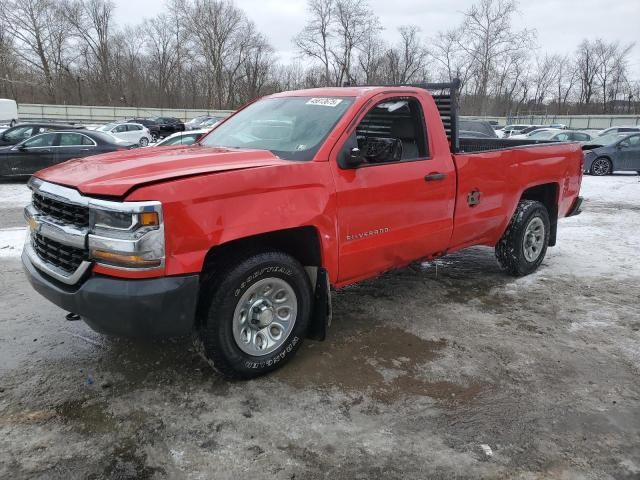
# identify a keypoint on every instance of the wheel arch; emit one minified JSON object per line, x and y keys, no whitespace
{"x":547,"y":194}
{"x":302,"y":243}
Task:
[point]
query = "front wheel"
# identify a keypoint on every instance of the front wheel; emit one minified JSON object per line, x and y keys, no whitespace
{"x":254,"y":317}
{"x":601,"y":166}
{"x":523,"y":246}
{"x":13,"y":123}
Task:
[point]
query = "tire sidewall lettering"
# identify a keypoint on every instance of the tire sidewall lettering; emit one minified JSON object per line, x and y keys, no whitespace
{"x":259,"y":273}
{"x":276,"y":358}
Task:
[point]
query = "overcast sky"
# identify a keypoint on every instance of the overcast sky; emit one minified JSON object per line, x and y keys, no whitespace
{"x":560,"y":24}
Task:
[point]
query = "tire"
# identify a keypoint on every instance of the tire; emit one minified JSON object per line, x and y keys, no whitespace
{"x":601,"y":167}
{"x":234,"y":348}
{"x":144,"y":141}
{"x":13,"y":123}
{"x":154,"y":137}
{"x":523,"y":246}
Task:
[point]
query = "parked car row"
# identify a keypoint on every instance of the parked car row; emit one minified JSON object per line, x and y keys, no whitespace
{"x":29,"y":147}
{"x":50,"y":148}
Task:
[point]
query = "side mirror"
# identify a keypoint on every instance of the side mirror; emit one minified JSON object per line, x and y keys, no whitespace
{"x":351,"y":158}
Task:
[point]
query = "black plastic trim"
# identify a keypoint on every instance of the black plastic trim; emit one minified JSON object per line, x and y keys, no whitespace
{"x":153,"y":307}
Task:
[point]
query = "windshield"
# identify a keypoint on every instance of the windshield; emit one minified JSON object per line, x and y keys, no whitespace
{"x":107,"y":127}
{"x":293,"y":128}
{"x":18,"y":133}
{"x":606,"y":140}
{"x":187,"y":139}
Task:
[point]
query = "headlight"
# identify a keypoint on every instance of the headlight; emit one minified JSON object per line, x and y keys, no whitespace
{"x":127,"y":235}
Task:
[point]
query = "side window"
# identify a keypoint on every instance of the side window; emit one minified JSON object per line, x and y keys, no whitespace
{"x":120,"y":129}
{"x":70,"y":139}
{"x":562,"y":137}
{"x":87,"y":141}
{"x":392,"y":131}
{"x":634,"y":141}
{"x":134,"y":128}
{"x":581,"y":137}
{"x":44,"y":140}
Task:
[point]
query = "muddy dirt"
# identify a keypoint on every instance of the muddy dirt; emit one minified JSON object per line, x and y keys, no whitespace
{"x":423,"y":368}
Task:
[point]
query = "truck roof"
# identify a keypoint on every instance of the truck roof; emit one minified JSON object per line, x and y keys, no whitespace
{"x":343,"y":91}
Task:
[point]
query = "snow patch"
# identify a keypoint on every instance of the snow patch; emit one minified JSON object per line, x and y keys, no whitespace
{"x":14,"y":195}
{"x":12,"y":241}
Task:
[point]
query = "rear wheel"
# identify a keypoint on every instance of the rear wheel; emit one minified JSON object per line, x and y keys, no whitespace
{"x":254,"y":315}
{"x":523,"y":246}
{"x":154,"y":137}
{"x":144,"y":141}
{"x":13,"y":123}
{"x":601,"y":166}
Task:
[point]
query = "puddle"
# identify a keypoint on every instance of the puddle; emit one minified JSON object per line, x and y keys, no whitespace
{"x":380,"y":361}
{"x":86,"y":416}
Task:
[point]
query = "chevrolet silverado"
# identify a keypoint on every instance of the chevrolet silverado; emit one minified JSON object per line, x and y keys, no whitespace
{"x":240,"y":238}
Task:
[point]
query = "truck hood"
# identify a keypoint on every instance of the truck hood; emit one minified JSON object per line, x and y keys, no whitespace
{"x":115,"y":174}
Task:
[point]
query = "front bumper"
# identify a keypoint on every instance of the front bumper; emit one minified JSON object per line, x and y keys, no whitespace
{"x":163,"y":306}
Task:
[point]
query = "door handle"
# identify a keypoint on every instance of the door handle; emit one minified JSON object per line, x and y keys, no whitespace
{"x":432,"y":177}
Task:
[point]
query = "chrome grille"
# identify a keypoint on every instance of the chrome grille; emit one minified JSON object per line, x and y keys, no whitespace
{"x":61,"y":256}
{"x":68,"y":213}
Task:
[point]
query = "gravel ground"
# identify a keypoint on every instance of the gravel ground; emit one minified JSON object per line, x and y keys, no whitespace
{"x":445,"y":370}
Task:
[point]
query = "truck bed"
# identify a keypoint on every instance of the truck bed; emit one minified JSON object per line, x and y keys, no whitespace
{"x":477,"y":145}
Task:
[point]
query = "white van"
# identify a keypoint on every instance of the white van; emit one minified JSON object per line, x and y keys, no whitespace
{"x":8,"y":112}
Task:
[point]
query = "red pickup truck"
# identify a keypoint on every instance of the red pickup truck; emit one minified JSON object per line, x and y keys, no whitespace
{"x":239,"y":238}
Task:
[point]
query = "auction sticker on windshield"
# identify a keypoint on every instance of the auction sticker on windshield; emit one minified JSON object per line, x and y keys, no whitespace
{"x":325,"y":102}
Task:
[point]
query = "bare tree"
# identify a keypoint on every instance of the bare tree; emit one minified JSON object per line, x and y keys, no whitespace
{"x":208,"y":54}
{"x":41,"y":35}
{"x":487,"y":37}
{"x":588,"y":65}
{"x":92,"y":24}
{"x":407,"y":62}
{"x":353,"y":26}
{"x":315,"y":38}
{"x":335,"y":33}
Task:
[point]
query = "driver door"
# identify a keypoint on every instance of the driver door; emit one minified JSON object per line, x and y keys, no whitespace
{"x":32,"y":155}
{"x":629,"y":153}
{"x":397,"y":205}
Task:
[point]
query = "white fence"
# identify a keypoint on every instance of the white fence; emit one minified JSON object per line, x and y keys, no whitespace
{"x":571,"y":121}
{"x":91,"y":114}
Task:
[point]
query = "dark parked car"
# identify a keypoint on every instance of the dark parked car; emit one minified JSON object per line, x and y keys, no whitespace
{"x":169,"y":125}
{"x":604,"y":155}
{"x":477,"y":128}
{"x":46,"y":149}
{"x":152,"y":126}
{"x":22,"y":131}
